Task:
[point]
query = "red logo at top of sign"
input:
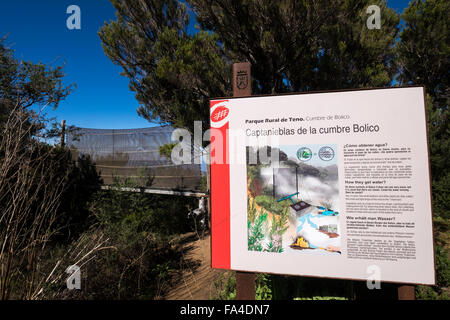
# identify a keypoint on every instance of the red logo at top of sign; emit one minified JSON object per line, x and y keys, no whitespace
{"x":219,"y":114}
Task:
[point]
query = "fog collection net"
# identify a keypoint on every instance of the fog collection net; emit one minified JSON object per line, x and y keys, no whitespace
{"x":285,"y":182}
{"x":134,"y":154}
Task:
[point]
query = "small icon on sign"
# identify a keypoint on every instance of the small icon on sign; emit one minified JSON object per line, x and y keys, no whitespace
{"x":326,"y":153}
{"x":242,"y":79}
{"x":304,"y":154}
{"x":219,"y":114}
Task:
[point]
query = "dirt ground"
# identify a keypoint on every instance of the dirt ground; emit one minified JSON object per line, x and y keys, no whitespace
{"x":196,"y":281}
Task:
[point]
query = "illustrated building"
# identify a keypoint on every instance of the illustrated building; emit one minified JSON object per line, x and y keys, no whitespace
{"x":331,"y":228}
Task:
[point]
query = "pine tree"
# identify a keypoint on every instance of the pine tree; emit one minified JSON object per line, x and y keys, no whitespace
{"x":172,"y":72}
{"x":24,"y":84}
{"x":424,"y":49}
{"x":424,"y":59}
{"x":292,"y":46}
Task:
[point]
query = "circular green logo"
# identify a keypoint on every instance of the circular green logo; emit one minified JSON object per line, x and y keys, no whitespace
{"x":304,"y":154}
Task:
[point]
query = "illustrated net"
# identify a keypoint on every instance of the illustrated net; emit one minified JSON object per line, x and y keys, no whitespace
{"x":285,"y":182}
{"x":134,"y":154}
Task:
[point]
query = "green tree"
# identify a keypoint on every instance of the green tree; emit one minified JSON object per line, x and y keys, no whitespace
{"x":173,"y":73}
{"x":24,"y":84}
{"x":423,"y":58}
{"x":304,"y":45}
{"x":292,"y":46}
{"x":424,"y":49}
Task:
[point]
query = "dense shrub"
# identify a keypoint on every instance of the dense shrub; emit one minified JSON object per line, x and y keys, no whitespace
{"x":269,"y":203}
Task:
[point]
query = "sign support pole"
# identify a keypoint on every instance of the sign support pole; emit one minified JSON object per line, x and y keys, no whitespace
{"x":242,"y":87}
{"x":406,"y":293}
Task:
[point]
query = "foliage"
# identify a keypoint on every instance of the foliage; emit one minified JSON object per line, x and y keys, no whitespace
{"x":267,"y":190}
{"x":442,"y":267}
{"x":442,"y":277}
{"x":139,"y":254}
{"x":30,"y":194}
{"x":33,"y":174}
{"x":251,"y":210}
{"x":424,"y":49}
{"x":322,"y":298}
{"x":172,"y":72}
{"x":423,"y":58}
{"x":166,"y":150}
{"x":82,"y":182}
{"x":56,"y":215}
{"x":164,"y":215}
{"x":301,"y":46}
{"x":256,"y":233}
{"x":439,"y":144}
{"x":263,"y":288}
{"x":292,"y":46}
{"x":203,"y":184}
{"x":276,"y":287}
{"x":24,"y":85}
{"x":427,"y":293}
{"x":258,"y":225}
{"x":270,"y":204}
{"x":225,"y":287}
{"x":278,"y":228}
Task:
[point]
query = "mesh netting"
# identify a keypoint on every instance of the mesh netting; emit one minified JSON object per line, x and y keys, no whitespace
{"x":134,"y":153}
{"x":285,"y":182}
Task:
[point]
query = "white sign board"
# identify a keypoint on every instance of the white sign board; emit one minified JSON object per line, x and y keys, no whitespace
{"x":332,"y":184}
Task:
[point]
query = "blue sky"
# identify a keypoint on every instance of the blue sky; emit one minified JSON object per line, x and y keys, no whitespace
{"x":37,"y":32}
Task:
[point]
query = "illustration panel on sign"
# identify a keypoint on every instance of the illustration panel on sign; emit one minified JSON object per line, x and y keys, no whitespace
{"x":293,"y":206}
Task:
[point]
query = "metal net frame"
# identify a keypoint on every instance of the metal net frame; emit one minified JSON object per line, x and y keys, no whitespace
{"x":133,"y":154}
{"x":285,"y":182}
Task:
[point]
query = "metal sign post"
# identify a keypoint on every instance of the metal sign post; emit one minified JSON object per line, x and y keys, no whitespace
{"x":242,"y":87}
{"x":406,"y":292}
